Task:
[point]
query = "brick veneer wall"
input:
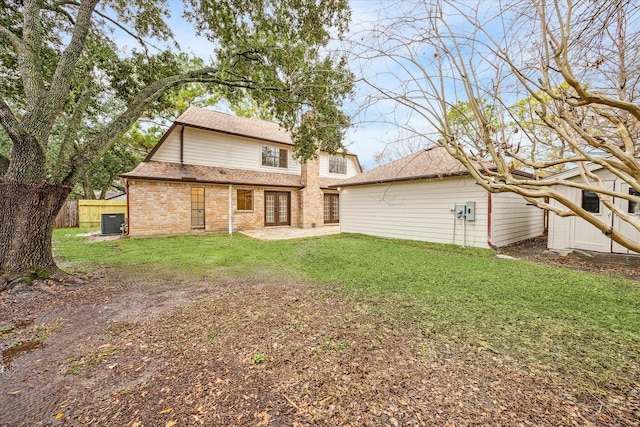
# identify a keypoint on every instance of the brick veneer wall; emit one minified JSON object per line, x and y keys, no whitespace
{"x":312,"y":196}
{"x":163,"y":208}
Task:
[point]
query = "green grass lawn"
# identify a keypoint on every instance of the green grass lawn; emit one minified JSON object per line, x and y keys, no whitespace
{"x":581,"y":325}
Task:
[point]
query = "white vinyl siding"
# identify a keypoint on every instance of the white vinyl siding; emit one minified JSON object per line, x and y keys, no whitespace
{"x":559,"y":237}
{"x":352,"y":168}
{"x":514,"y":219}
{"x":208,"y":148}
{"x":169,"y":151}
{"x":419,"y":210}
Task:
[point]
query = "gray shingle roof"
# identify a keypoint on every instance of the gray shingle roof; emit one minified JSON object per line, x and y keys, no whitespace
{"x":164,"y":171}
{"x":434,"y":162}
{"x":242,"y":126}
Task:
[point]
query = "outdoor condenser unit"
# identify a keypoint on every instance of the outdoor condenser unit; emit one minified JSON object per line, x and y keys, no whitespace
{"x":111,"y":223}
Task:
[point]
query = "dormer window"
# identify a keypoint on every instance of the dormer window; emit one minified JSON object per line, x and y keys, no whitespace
{"x":337,"y":165}
{"x":274,"y":157}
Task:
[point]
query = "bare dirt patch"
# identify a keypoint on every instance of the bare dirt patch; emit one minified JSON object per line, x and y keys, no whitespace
{"x":535,"y":250}
{"x":170,"y":352}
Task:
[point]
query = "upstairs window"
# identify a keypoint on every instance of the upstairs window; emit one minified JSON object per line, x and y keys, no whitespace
{"x":274,"y":157}
{"x":245,"y":200}
{"x":590,"y":201}
{"x":337,"y":165}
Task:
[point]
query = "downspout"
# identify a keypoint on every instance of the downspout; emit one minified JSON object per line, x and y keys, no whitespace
{"x":230,"y":209}
{"x":126,"y":185}
{"x":182,"y":145}
{"x":489,"y":231}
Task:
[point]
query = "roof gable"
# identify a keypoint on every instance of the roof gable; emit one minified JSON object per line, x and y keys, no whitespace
{"x":251,"y":128}
{"x":242,"y":126}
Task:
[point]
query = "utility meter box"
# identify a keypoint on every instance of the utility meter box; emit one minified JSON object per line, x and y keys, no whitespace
{"x":470,"y":211}
{"x":460,"y":211}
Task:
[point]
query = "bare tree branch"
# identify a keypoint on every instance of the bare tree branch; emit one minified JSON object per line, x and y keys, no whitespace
{"x":545,"y":85}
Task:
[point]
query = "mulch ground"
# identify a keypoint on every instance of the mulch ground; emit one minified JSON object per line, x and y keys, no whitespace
{"x":535,"y":250}
{"x":146,"y":352}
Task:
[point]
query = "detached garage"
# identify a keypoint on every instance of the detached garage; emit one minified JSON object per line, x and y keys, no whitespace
{"x":430,"y":196}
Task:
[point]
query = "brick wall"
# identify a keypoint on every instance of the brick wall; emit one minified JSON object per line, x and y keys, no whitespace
{"x":312,"y":196}
{"x":157,"y":208}
{"x":163,"y":208}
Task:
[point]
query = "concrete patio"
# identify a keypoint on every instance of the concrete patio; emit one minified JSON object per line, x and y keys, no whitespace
{"x":284,"y":233}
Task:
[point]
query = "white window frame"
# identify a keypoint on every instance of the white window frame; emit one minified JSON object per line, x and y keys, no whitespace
{"x":338,"y":162}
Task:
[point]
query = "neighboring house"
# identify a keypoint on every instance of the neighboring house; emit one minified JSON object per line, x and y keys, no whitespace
{"x":566,"y":233}
{"x":110,"y":195}
{"x":430,"y":196}
{"x":217,"y":172}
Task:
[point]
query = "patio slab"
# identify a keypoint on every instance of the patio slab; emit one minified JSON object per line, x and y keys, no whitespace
{"x":284,"y":233}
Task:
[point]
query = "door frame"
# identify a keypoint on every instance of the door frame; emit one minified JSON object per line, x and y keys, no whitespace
{"x":621,"y":226}
{"x":333,"y":198}
{"x":276,"y":213}
{"x":584,"y":235}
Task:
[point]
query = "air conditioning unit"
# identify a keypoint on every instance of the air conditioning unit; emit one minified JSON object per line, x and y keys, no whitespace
{"x":111,"y":223}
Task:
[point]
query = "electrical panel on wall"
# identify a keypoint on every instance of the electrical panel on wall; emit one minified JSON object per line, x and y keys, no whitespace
{"x":470,"y":211}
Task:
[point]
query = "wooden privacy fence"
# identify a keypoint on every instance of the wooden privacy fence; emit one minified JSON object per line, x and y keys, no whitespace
{"x":68,"y":215}
{"x":87,"y":213}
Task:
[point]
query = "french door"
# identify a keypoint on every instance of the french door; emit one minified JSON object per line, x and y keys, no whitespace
{"x":277,"y":208}
{"x":331,"y":208}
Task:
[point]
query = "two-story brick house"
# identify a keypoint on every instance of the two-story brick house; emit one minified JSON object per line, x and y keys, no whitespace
{"x":217,"y":172}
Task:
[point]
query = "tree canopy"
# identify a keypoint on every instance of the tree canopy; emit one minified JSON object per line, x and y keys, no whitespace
{"x":72,"y":88}
{"x":66,"y":77}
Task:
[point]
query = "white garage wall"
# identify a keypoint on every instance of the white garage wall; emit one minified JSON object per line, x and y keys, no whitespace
{"x":514,"y":219}
{"x":417,"y":210}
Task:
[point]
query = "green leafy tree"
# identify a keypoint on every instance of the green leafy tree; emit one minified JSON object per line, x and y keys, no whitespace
{"x":70,"y":93}
{"x":104,"y":174}
{"x":143,"y":135}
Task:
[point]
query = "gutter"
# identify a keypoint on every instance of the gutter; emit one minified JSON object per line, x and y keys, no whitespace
{"x":432,"y":177}
{"x":205,"y":181}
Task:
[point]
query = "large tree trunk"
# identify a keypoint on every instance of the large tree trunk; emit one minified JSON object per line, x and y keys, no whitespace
{"x":26,"y":227}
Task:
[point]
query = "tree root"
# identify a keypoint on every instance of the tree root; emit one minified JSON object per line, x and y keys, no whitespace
{"x":23,"y":280}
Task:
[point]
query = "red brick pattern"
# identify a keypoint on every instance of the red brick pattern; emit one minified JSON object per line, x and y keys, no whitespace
{"x":312,"y":197}
{"x":164,"y":208}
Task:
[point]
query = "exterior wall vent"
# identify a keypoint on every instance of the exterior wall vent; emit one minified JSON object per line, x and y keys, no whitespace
{"x":111,"y":223}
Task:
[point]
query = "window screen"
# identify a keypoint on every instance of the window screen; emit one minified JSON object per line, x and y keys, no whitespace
{"x":197,"y":206}
{"x":590,"y":201}
{"x":274,"y":156}
{"x":634,"y":207}
{"x":245,"y":200}
{"x":337,"y":165}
